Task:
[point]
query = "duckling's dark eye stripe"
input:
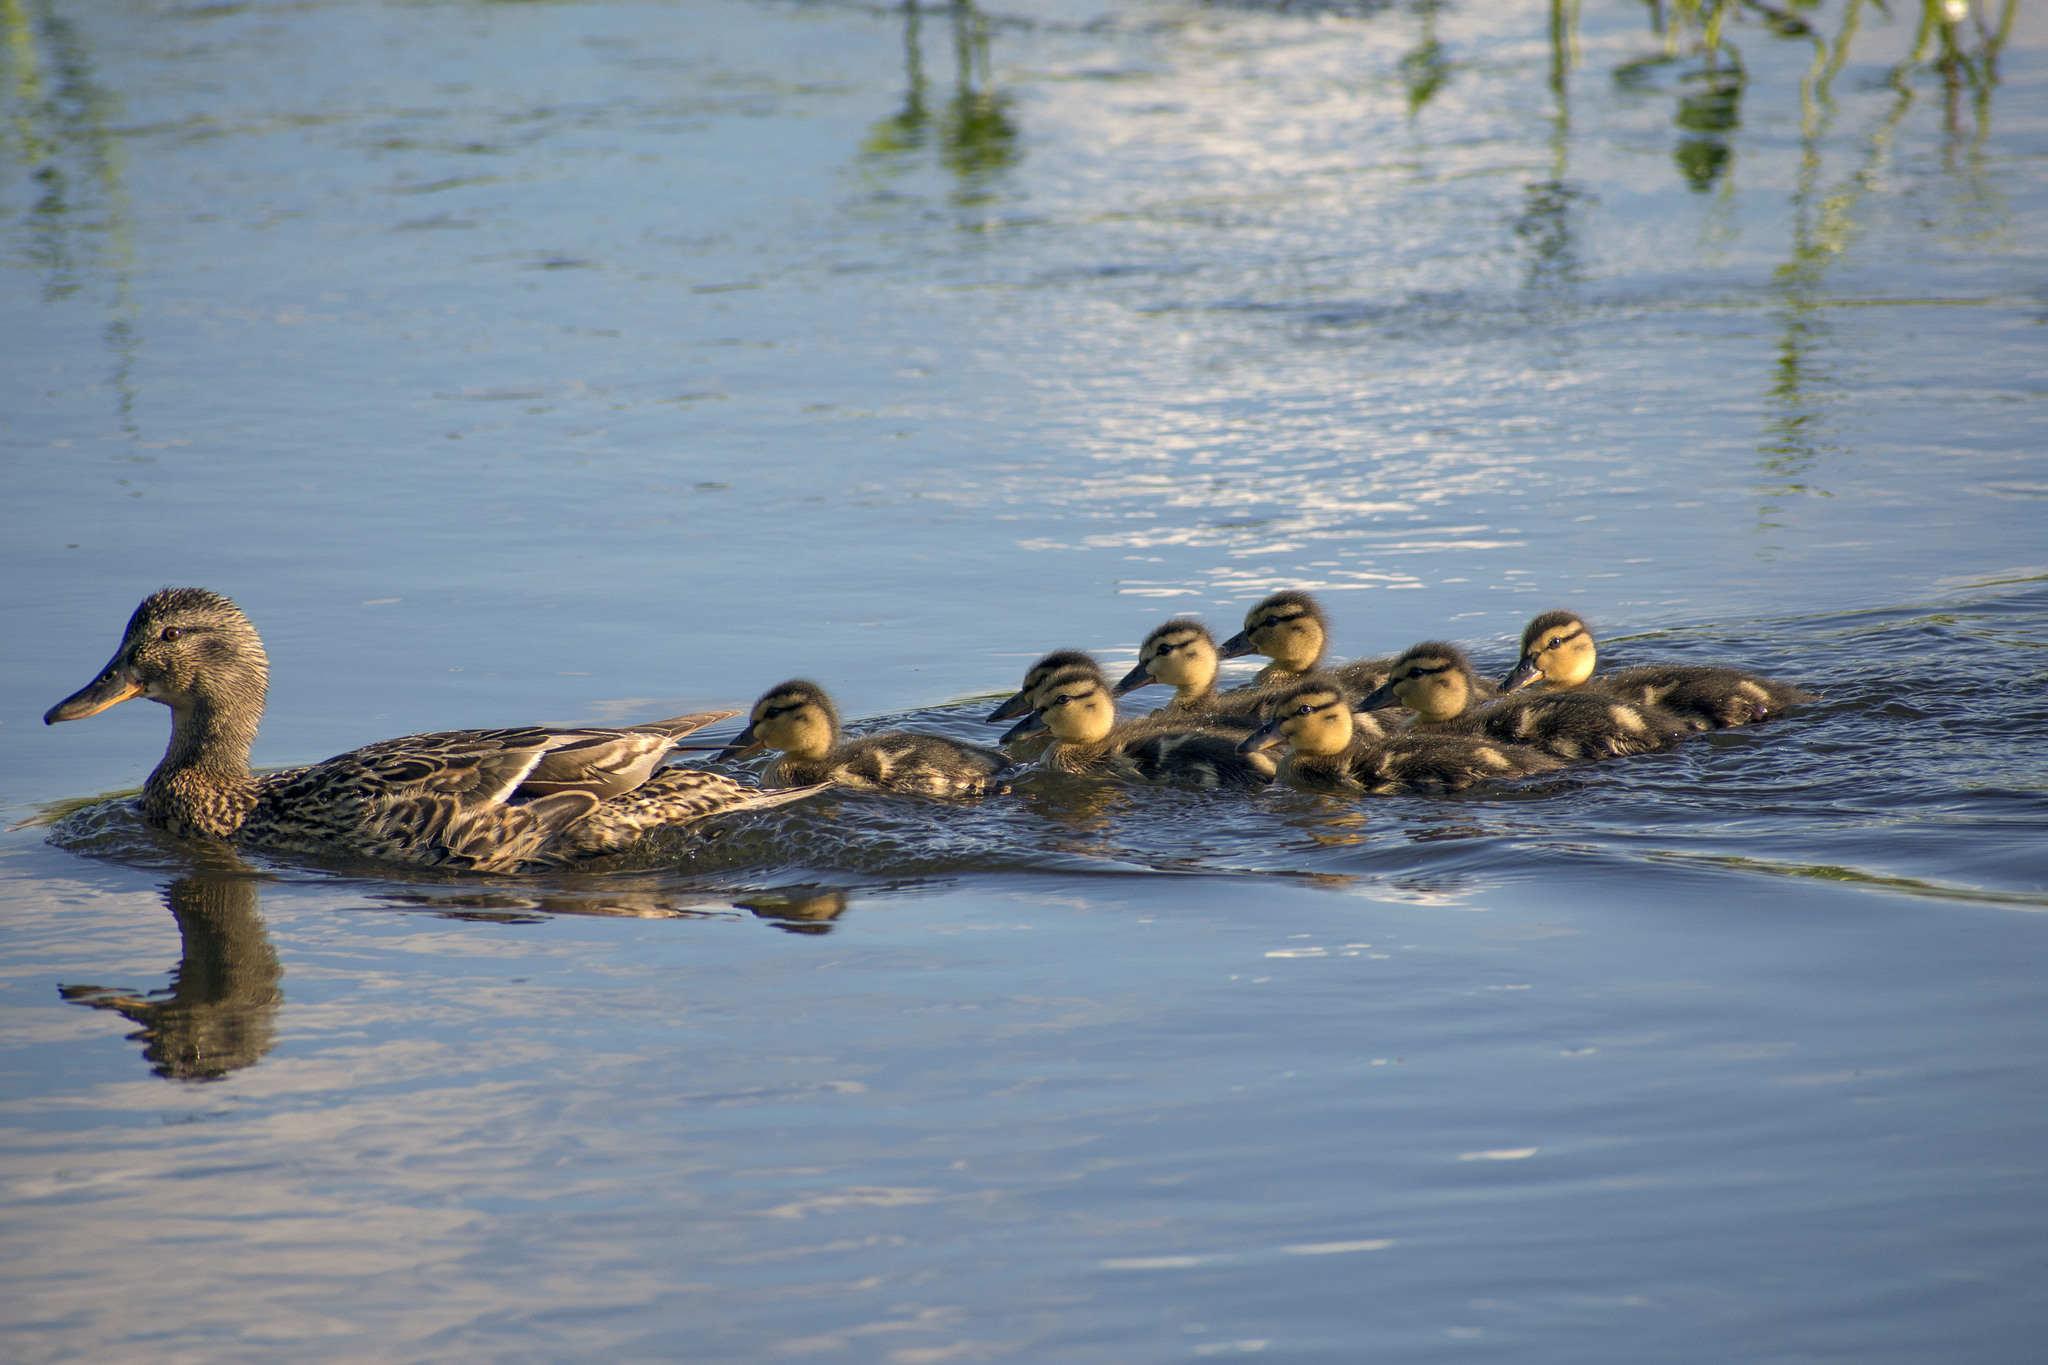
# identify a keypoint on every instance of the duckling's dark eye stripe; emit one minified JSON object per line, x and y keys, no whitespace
{"x":1564,"y":639}
{"x":1424,"y":671}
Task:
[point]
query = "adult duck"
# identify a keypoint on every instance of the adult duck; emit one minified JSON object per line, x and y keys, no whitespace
{"x":512,"y":800}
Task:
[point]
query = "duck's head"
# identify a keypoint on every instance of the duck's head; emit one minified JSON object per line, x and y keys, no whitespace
{"x":1557,"y":648}
{"x":1035,"y":678}
{"x":1074,"y":703}
{"x":188,"y":648}
{"x":1180,"y":653}
{"x":1313,"y":716}
{"x":1433,"y":679}
{"x":796,"y":717}
{"x":1289,"y":628}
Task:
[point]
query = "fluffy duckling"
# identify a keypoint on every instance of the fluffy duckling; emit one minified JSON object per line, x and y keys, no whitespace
{"x":1025,"y":697}
{"x":481,"y":800}
{"x":1329,"y":751}
{"x":1558,"y":651}
{"x":1182,"y":653}
{"x":1435,"y":681}
{"x":798,"y":718}
{"x":1290,"y":629}
{"x":1077,"y":708}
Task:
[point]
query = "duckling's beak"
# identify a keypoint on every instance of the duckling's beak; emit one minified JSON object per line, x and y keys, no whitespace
{"x":1378,"y":700}
{"x":1525,"y":672}
{"x":1133,"y":680}
{"x":1032,"y":724}
{"x":743,"y":744}
{"x":1009,"y":710}
{"x":1265,"y":737}
{"x":1237,"y":646}
{"x":114,"y":686}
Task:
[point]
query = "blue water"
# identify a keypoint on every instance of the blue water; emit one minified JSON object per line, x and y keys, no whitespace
{"x":597,"y":362}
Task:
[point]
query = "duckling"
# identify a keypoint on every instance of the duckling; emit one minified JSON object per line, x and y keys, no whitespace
{"x":1033,"y":746}
{"x":483,"y":800}
{"x":1034,"y":679}
{"x":1328,"y":751}
{"x":798,"y":718}
{"x":1558,"y":650}
{"x":1182,"y":653}
{"x":1290,"y":629}
{"x":1435,"y":681}
{"x":1079,"y":711}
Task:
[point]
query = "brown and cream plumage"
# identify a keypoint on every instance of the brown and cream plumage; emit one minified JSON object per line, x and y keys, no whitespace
{"x":1076,"y":707}
{"x":1329,"y":751}
{"x":1182,"y":654}
{"x":1436,"y":682}
{"x":1291,"y":629}
{"x":1558,"y":651}
{"x":507,"y":800}
{"x":799,"y":719}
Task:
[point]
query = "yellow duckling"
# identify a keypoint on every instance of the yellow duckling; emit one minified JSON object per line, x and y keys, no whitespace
{"x":1558,"y":651}
{"x":798,"y":718}
{"x":1329,"y":752}
{"x":1087,"y":738}
{"x":1182,"y":653}
{"x":1435,"y":681}
{"x":481,"y":800}
{"x":1035,"y":677}
{"x":1290,"y":629}
{"x":1027,"y":697}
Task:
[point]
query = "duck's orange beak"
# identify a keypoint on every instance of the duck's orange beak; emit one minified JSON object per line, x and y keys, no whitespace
{"x":111,"y":688}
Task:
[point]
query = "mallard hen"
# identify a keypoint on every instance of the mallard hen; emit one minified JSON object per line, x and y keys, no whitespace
{"x":509,"y":800}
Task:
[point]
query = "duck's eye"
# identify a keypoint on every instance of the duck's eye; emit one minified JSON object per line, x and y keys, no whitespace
{"x":1556,"y":642}
{"x":171,"y":633}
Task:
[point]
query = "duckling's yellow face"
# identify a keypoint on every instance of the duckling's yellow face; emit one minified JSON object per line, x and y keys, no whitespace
{"x":1184,"y":659}
{"x":1032,"y":691}
{"x":1562,"y":653}
{"x":1431,"y":685}
{"x":1078,"y":709}
{"x":1288,"y":633}
{"x":794,"y":720}
{"x":1315,"y":722}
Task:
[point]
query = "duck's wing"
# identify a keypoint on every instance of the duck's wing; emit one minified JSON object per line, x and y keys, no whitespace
{"x":673,"y":796}
{"x":438,"y":803}
{"x":677,"y":726}
{"x":604,"y":761}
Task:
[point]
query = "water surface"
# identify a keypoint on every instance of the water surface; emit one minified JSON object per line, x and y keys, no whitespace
{"x":578,"y":362}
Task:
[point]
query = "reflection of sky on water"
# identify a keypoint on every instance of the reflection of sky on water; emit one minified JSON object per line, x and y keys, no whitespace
{"x":1121,"y":281}
{"x":601,"y":361}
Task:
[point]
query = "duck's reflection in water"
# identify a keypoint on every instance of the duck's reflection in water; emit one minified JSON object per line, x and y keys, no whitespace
{"x":220,"y":1012}
{"x":798,"y":909}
